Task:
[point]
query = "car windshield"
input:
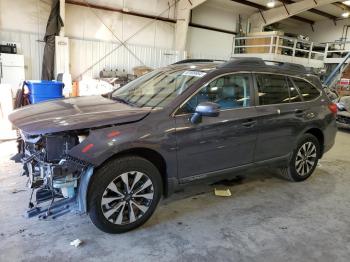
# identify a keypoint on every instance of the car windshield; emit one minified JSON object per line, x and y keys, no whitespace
{"x":157,"y":89}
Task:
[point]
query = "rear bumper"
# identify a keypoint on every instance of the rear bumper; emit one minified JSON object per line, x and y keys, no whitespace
{"x":328,"y":146}
{"x":329,"y":136}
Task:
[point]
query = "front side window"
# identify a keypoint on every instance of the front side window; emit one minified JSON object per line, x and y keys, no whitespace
{"x":307,"y":91}
{"x":272,"y":89}
{"x":158,"y":88}
{"x":229,"y":91}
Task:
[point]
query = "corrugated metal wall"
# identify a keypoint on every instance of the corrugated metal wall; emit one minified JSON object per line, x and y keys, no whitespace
{"x":195,"y":55}
{"x":31,"y":46}
{"x":85,"y":53}
{"x":86,"y":57}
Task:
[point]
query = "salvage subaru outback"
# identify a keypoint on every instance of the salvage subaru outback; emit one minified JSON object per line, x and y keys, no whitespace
{"x":114,"y":156}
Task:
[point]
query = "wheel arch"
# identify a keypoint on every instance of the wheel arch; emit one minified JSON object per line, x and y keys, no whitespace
{"x":319,"y":135}
{"x":151,"y":155}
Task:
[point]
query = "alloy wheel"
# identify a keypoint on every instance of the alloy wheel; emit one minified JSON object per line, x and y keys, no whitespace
{"x":306,"y":158}
{"x":127,"y":198}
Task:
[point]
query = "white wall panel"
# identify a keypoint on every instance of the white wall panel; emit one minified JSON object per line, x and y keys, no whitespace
{"x":29,"y":45}
{"x":86,"y":23}
{"x":211,"y":43}
{"x":89,"y":57}
{"x":85,"y":53}
{"x":24,"y":15}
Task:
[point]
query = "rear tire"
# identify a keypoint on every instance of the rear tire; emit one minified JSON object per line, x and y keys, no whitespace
{"x":304,"y":159}
{"x":123,"y":194}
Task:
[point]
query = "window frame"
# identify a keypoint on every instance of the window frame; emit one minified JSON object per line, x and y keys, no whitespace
{"x":257,"y":88}
{"x":297,"y":88}
{"x":298,"y":91}
{"x":251,"y":91}
{"x":256,"y":92}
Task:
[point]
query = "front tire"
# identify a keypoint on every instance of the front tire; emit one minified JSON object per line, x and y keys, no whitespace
{"x":123,"y":194}
{"x":304,"y":159}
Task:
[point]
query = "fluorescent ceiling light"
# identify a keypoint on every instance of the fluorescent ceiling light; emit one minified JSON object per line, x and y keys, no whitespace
{"x":271,"y":4}
{"x":347,"y":2}
{"x":345,"y":14}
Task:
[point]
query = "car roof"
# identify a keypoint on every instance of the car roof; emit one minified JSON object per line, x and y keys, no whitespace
{"x":251,"y":64}
{"x":207,"y":66}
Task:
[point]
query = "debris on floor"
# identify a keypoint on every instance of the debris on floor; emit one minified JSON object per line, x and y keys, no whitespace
{"x":15,"y":191}
{"x":222,"y":192}
{"x":76,"y":243}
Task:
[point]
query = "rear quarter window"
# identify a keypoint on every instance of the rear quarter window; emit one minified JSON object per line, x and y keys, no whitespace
{"x":307,"y":90}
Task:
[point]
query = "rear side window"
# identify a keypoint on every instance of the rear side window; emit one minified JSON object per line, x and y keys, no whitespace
{"x":273,"y":89}
{"x":307,"y":91}
{"x":293,"y":92}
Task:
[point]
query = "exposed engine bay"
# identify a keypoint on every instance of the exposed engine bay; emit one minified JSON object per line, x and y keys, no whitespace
{"x":52,"y":174}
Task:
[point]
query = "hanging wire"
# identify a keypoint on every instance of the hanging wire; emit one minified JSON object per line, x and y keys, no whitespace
{"x":122,"y":43}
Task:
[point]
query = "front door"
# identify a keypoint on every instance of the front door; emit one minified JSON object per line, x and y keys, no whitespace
{"x":222,"y":142}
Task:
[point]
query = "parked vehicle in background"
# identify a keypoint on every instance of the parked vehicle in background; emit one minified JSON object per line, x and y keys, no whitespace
{"x":343,"y":115}
{"x":115,"y":156}
{"x":331,"y":93}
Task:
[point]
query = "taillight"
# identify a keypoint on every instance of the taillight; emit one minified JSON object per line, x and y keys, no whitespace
{"x":333,"y":108}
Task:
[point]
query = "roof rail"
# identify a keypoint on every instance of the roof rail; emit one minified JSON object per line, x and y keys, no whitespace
{"x":248,"y":61}
{"x":288,"y":66}
{"x":256,"y":61}
{"x":194,"y":60}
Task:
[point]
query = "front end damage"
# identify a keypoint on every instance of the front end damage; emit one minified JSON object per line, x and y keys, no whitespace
{"x":55,"y":177}
{"x":343,"y":119}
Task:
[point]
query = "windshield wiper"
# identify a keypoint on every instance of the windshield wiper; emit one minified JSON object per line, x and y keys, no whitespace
{"x":122,"y":100}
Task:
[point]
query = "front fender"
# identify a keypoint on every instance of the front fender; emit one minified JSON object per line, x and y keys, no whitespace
{"x":101,"y":144}
{"x":83,"y":189}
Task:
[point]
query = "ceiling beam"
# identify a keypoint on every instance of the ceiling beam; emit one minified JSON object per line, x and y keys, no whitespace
{"x":164,"y":19}
{"x":313,"y":10}
{"x":342,"y":6}
{"x":262,"y":7}
{"x":120,"y":10}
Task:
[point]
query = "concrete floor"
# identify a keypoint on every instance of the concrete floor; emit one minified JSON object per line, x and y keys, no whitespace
{"x":266,"y":219}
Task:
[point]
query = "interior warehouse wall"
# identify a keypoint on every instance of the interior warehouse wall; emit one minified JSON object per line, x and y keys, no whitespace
{"x":324,"y":30}
{"x":24,"y":22}
{"x":85,"y":53}
{"x":202,"y":43}
{"x":90,"y":40}
{"x":86,"y":23}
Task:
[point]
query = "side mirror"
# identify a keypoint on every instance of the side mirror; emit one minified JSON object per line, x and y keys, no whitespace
{"x":205,"y":109}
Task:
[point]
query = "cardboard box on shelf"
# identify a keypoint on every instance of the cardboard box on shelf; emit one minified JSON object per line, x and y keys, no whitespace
{"x":141,"y":70}
{"x":261,"y":39}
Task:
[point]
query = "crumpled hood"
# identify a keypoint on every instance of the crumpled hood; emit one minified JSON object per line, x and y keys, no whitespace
{"x":74,"y":113}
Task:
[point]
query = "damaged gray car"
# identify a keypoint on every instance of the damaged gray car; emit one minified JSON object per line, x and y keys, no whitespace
{"x":115,"y":156}
{"x":343,"y":115}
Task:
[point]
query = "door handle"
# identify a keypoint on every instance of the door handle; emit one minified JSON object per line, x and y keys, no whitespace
{"x":249,"y":123}
{"x":299,"y":112}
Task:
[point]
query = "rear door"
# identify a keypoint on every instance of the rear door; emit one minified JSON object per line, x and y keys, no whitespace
{"x":277,"y":114}
{"x":221,"y":142}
